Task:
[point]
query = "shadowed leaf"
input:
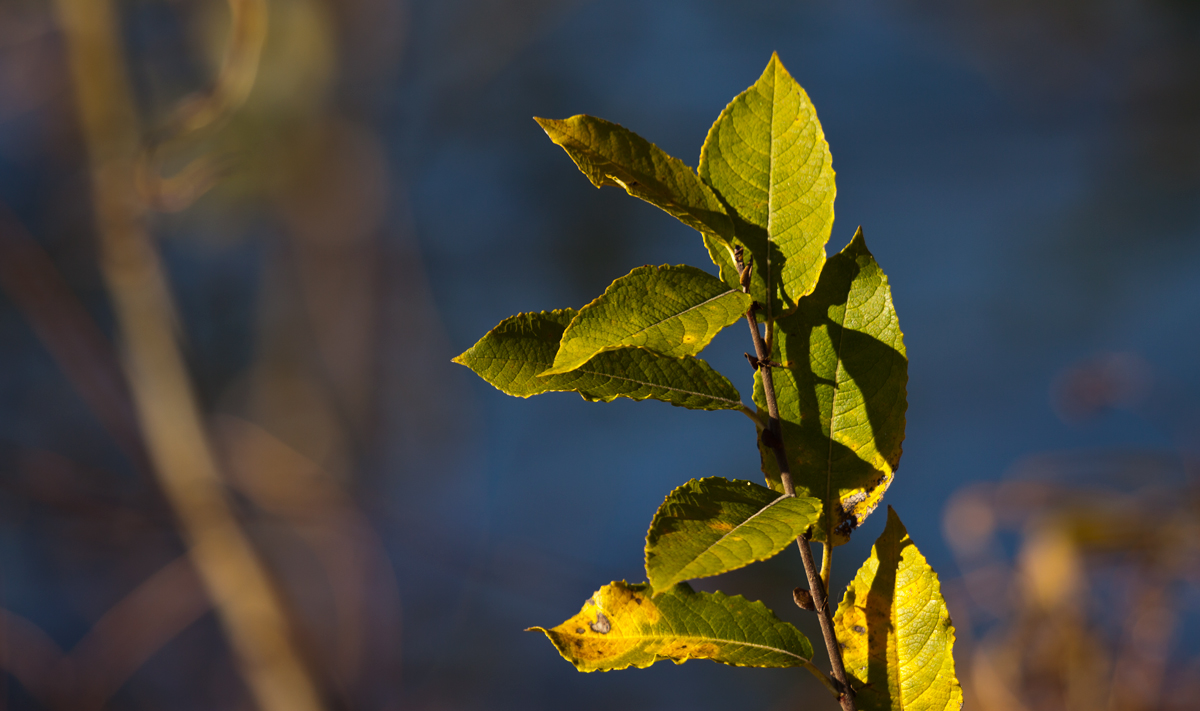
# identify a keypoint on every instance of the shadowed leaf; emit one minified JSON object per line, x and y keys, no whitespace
{"x":671,"y":310}
{"x":514,"y":353}
{"x":843,"y":391}
{"x":621,"y":626}
{"x":713,"y":525}
{"x":610,"y":154}
{"x":896,"y":633}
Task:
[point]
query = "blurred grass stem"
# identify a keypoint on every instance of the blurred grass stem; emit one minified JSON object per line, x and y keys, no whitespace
{"x":242,"y":593}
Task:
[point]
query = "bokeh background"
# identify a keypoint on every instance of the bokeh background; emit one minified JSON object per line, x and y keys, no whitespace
{"x":340,"y":196}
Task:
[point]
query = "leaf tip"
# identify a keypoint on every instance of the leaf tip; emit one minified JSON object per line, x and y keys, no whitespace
{"x":895,"y":525}
{"x":857,"y":247}
{"x":552,"y":127}
{"x":776,"y":64}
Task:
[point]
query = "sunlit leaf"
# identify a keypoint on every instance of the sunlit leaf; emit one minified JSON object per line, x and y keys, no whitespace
{"x":713,"y":525}
{"x":842,"y":392}
{"x":513,"y":355}
{"x":671,"y":310}
{"x":767,"y":158}
{"x":622,"y":626}
{"x":896,"y":634}
{"x":610,"y":154}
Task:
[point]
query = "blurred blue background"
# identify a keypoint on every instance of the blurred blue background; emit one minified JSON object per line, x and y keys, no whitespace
{"x":1027,"y":173}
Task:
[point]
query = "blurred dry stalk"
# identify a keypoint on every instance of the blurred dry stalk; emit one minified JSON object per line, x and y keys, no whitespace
{"x":245,"y":599}
{"x":1086,"y":617}
{"x":336,"y":291}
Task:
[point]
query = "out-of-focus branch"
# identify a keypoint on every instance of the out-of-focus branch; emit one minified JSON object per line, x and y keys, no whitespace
{"x":133,"y":630}
{"x":30,"y":279}
{"x":33,"y":659}
{"x":246,"y":602}
{"x":248,"y":32}
{"x":177,"y":192}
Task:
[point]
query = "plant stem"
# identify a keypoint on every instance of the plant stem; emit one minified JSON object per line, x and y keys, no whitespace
{"x":824,"y":678}
{"x":815,"y":583}
{"x":759,"y":421}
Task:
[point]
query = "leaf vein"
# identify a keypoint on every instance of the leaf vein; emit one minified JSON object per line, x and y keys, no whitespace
{"x":734,"y":530}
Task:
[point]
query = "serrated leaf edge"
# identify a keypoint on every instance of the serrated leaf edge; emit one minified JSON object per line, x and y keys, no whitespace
{"x":676,"y":579}
{"x":563,"y":370}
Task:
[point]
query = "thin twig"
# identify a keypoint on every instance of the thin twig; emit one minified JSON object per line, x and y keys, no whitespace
{"x":826,"y":680}
{"x":775,"y":441}
{"x":758,"y":420}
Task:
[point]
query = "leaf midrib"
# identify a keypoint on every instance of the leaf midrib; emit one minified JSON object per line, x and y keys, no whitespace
{"x":723,"y":640}
{"x":837,"y":371}
{"x":894,"y":620}
{"x":616,"y":377}
{"x":656,"y":385}
{"x":675,"y":315}
{"x":730,"y":533}
{"x":659,"y":190}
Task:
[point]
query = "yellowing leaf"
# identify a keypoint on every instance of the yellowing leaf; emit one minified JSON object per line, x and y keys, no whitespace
{"x":622,"y":626}
{"x":513,"y":355}
{"x":610,"y":154}
{"x":842,"y":391}
{"x":767,"y":158}
{"x":896,"y":634}
{"x":671,"y":310}
{"x":713,"y":525}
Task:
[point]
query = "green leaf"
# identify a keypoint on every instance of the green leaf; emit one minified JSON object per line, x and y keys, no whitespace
{"x":513,"y":355}
{"x":621,"y":626}
{"x":896,"y":634}
{"x":610,"y":154}
{"x":842,"y":393}
{"x":671,"y":310}
{"x":713,"y":525}
{"x":767,"y":158}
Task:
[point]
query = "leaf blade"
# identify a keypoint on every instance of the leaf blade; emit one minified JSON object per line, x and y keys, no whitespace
{"x":671,"y":310}
{"x":766,"y":156}
{"x":610,"y":154}
{"x":514,"y":354}
{"x":713,"y":525}
{"x":842,"y":394}
{"x":896,"y":632}
{"x":622,"y":626}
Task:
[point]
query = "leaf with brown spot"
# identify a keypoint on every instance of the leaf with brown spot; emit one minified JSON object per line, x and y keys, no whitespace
{"x":714,"y":525}
{"x":623,"y":626}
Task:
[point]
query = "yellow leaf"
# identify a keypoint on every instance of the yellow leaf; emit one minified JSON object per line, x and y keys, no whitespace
{"x":621,"y":626}
{"x":896,"y":635}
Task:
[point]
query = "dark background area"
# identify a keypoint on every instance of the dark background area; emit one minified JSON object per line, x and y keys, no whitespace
{"x":1027,"y":174}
